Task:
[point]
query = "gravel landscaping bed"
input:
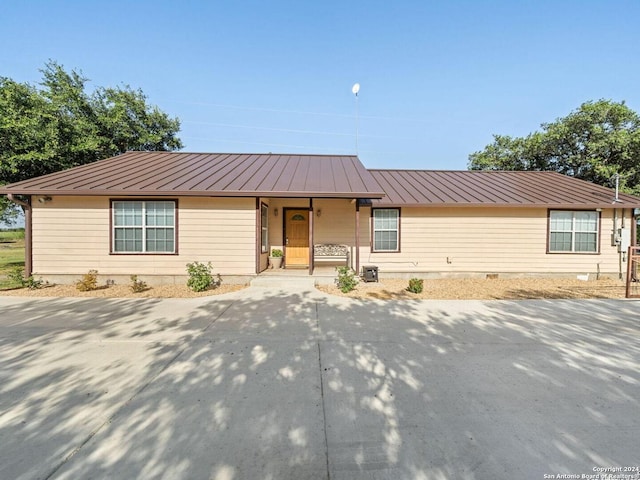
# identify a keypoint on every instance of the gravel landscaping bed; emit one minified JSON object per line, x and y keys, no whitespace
{"x":386,"y":289}
{"x":487,"y":289}
{"x":162,"y":291}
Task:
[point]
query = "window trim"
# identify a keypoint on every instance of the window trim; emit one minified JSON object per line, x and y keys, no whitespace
{"x":264,"y":214}
{"x":573,"y":252}
{"x":373,"y":230}
{"x":112,"y":226}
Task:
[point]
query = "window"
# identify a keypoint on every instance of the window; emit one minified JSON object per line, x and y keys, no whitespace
{"x":573,"y":231}
{"x":144,"y":226}
{"x":386,"y":230}
{"x":264,"y":225}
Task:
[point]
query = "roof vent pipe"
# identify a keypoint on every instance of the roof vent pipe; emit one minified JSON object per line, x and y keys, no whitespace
{"x":617,"y":177}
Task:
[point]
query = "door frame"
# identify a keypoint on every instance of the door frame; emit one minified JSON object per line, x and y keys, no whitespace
{"x":309,"y":210}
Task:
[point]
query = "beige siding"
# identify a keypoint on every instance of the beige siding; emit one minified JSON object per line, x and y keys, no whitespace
{"x":484,"y":240}
{"x":337,"y":222}
{"x":71,"y":236}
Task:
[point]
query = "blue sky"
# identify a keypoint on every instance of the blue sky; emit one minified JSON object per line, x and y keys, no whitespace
{"x":437,"y":78}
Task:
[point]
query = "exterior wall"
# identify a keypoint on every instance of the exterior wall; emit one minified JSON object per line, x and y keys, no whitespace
{"x":71,"y":235}
{"x":486,"y":240}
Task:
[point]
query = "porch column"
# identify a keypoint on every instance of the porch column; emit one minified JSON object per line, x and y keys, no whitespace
{"x":311,"y":266}
{"x":258,"y":235}
{"x":357,"y":237}
{"x":28,"y":232}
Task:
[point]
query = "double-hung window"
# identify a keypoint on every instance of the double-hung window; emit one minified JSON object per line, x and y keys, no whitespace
{"x":144,"y":226}
{"x":386,"y":230}
{"x":573,"y":231}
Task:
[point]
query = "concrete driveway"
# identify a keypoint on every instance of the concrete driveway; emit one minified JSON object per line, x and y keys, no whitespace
{"x":295,"y":384}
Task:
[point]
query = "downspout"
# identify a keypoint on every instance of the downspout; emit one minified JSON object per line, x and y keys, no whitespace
{"x":28,"y":232}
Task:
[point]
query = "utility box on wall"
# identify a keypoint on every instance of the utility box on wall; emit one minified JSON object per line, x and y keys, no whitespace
{"x":623,"y":239}
{"x":370,"y":273}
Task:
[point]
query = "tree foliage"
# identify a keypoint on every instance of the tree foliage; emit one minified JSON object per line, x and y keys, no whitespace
{"x":595,"y":142}
{"x":60,"y":125}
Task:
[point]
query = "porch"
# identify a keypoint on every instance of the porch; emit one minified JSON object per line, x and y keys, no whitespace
{"x":323,"y":275}
{"x":314,"y":234}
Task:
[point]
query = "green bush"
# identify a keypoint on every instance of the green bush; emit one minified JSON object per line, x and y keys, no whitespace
{"x":346,"y":280}
{"x":88,"y":282}
{"x":137,"y":286}
{"x":276,"y":252}
{"x":415,"y":285}
{"x":16,"y":276}
{"x":201,"y":277}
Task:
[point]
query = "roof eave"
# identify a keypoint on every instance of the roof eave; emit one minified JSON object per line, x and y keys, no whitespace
{"x":560,"y":206}
{"x":189,"y":193}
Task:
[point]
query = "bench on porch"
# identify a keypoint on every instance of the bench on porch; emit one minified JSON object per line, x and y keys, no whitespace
{"x":331,"y":252}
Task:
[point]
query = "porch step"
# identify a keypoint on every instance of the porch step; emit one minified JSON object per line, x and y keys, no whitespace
{"x":283,"y":282}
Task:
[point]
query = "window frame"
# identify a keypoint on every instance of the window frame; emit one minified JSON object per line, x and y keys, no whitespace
{"x":573,"y":232}
{"x":264,"y":229}
{"x":112,"y":226}
{"x":373,"y":230}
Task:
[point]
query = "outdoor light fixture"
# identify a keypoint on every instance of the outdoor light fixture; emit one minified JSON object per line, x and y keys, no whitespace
{"x":319,"y":212}
{"x":44,"y":199}
{"x":275,"y":212}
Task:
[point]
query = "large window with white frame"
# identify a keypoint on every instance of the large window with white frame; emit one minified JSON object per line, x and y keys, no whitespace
{"x":144,"y":226}
{"x":386,"y":229}
{"x":573,"y":231}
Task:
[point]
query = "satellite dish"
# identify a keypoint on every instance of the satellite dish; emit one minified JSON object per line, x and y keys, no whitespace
{"x":355,"y":89}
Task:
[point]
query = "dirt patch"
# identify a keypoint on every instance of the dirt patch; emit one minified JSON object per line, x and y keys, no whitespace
{"x":487,"y":289}
{"x":119,"y":291}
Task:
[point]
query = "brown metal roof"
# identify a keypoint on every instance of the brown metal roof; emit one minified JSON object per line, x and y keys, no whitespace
{"x":210,"y":174}
{"x":493,"y":189}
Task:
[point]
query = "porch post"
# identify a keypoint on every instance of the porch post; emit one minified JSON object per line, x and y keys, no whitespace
{"x":258,"y":235}
{"x":311,"y":265}
{"x":28,"y":232}
{"x":357,"y":237}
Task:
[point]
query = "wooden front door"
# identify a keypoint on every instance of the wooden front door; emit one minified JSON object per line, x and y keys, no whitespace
{"x":296,"y":230}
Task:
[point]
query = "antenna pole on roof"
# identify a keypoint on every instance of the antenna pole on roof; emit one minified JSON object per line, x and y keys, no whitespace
{"x":355,"y":89}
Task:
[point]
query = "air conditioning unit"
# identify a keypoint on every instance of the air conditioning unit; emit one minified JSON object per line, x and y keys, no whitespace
{"x":370,"y":273}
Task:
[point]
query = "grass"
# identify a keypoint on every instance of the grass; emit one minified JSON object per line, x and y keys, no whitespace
{"x":11,"y":255}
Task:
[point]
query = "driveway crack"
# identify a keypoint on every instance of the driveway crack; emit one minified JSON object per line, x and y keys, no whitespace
{"x":324,"y":412}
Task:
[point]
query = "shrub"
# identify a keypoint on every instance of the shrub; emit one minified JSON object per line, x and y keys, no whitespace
{"x":346,"y":280}
{"x":31,"y":283}
{"x":137,"y":286}
{"x":276,"y":252}
{"x":16,"y":276}
{"x":200,"y":277}
{"x":88,"y":282}
{"x":415,"y":285}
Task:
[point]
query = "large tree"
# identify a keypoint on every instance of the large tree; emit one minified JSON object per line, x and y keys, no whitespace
{"x":595,"y":142}
{"x":59,"y":125}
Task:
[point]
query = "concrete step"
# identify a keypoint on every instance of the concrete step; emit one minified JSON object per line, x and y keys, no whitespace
{"x":284,"y":282}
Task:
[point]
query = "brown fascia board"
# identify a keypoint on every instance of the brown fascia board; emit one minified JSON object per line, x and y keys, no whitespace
{"x":559,"y":206}
{"x":190,"y":193}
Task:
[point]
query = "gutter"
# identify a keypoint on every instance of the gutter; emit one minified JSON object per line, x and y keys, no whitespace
{"x":28,"y":232}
